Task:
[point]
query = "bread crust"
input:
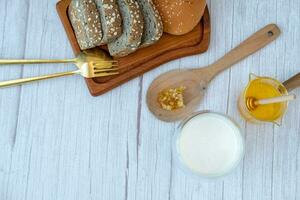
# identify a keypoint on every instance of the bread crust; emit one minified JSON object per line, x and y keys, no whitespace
{"x":110,"y":18}
{"x":133,"y":25}
{"x":85,"y":19}
{"x":180,"y":16}
{"x":151,"y":15}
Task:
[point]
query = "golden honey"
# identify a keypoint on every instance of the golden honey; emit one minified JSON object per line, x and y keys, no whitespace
{"x":171,"y":99}
{"x":261,"y":88}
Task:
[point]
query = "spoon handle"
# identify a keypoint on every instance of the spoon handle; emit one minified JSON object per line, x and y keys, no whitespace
{"x":32,"y":61}
{"x":292,"y":83}
{"x":254,"y":43}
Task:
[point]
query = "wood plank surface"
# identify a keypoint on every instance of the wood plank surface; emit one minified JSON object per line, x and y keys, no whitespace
{"x":58,"y":142}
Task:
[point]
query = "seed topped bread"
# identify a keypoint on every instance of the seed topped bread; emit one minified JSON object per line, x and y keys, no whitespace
{"x":180,"y":16}
{"x":85,"y":20}
{"x":110,"y":18}
{"x":133,"y":25}
{"x":153,"y":26}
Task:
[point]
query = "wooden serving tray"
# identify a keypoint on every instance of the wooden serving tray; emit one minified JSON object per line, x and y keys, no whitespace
{"x":168,"y":48}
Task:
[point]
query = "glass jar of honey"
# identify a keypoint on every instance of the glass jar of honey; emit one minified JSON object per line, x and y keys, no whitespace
{"x":262,"y":88}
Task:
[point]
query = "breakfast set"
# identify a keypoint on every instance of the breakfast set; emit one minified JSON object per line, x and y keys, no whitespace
{"x":117,"y":40}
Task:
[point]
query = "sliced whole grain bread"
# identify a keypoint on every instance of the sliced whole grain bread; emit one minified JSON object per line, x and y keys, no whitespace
{"x":110,"y":18}
{"x":85,"y":19}
{"x":153,"y":26}
{"x":132,"y":25}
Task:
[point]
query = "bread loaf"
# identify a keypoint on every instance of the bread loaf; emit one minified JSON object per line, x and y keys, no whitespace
{"x":85,"y":20}
{"x":111,"y":19}
{"x":133,"y":24}
{"x":153,"y":27}
{"x":180,"y":16}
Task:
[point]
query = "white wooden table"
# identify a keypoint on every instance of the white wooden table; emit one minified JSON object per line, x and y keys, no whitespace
{"x":59,"y":143}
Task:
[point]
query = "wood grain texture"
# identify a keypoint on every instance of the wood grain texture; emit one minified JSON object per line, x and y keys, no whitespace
{"x":9,"y":99}
{"x":168,"y":48}
{"x":196,"y":80}
{"x":292,"y":83}
{"x":59,"y":143}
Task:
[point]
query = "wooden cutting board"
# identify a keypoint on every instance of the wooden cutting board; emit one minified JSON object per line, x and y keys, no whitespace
{"x":168,"y":48}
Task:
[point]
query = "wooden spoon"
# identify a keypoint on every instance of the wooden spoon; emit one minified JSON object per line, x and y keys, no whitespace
{"x":197,"y":80}
{"x":292,"y":83}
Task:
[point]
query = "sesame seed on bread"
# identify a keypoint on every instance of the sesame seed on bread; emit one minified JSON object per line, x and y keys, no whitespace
{"x":180,"y":16}
{"x":133,"y":24}
{"x":111,"y":19}
{"x":85,"y":20}
{"x":153,"y":26}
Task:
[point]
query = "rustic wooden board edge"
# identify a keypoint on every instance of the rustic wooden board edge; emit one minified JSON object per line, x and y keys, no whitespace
{"x":97,"y":88}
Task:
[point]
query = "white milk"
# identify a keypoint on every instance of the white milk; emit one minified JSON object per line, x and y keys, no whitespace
{"x":210,"y":145}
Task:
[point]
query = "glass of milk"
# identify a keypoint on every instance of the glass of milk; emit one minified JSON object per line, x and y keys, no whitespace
{"x":208,"y":145}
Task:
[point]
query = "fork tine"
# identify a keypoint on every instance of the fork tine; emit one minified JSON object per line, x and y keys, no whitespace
{"x":105,"y":70}
{"x":105,"y":67}
{"x":105,"y":61}
{"x":113,"y":61}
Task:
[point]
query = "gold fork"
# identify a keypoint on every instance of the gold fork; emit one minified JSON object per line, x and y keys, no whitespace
{"x":91,"y":64}
{"x":91,"y":55}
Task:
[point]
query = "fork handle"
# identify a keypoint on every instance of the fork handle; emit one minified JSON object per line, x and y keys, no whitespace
{"x":39,"y":78}
{"x":33,"y":61}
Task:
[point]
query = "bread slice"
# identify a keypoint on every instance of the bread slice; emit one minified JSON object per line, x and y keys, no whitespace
{"x":110,"y":18}
{"x":153,"y":26}
{"x":85,"y":19}
{"x":133,"y":25}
